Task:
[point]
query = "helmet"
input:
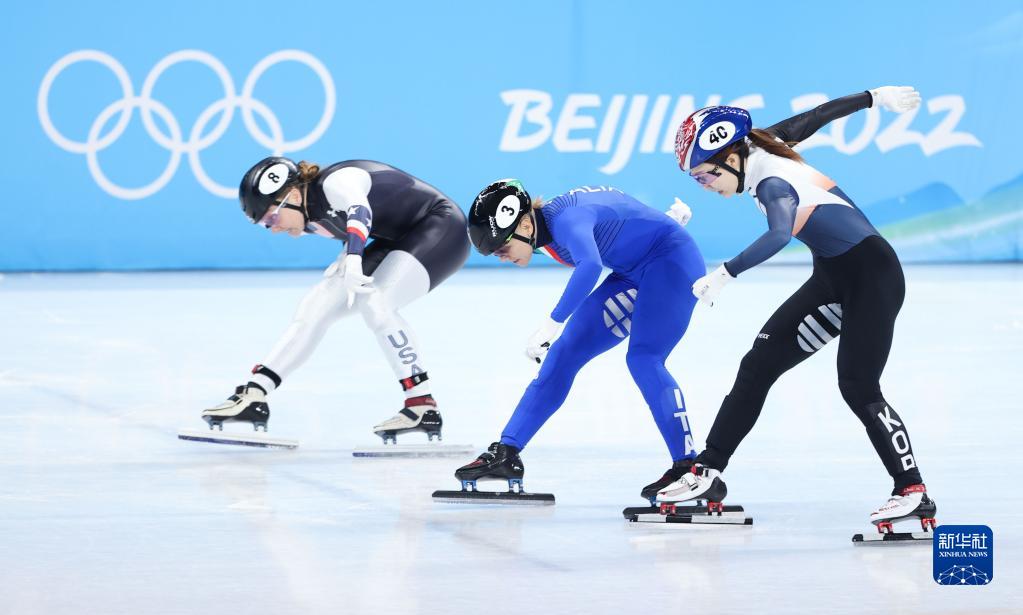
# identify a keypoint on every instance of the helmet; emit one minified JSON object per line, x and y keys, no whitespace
{"x":708,"y":131}
{"x":265,"y":183}
{"x":495,"y":213}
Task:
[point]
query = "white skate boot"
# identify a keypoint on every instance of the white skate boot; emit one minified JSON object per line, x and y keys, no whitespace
{"x":247,"y":405}
{"x":417,"y":418}
{"x":695,"y":498}
{"x":700,"y":483}
{"x":909,"y":503}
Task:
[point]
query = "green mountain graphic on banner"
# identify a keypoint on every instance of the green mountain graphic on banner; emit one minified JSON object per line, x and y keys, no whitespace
{"x":989,"y":228}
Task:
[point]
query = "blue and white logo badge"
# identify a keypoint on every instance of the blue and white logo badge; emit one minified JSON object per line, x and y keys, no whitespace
{"x":618,"y":313}
{"x":963,"y":555}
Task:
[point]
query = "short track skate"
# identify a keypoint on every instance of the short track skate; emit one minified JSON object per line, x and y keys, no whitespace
{"x":410,"y":420}
{"x":470,"y":494}
{"x":696,"y":512}
{"x":246,"y":406}
{"x":923,"y":511}
{"x":499,"y":462}
{"x":886,"y":533}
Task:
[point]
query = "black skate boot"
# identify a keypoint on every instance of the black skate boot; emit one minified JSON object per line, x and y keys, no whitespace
{"x":248,"y":404}
{"x":413,"y":417}
{"x":501,"y":462}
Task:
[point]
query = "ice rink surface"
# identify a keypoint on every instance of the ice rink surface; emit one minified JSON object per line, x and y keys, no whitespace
{"x":103,"y":510}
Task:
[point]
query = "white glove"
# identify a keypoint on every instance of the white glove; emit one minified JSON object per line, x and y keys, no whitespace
{"x":680,"y":212}
{"x":897,"y":98}
{"x":706,"y":289}
{"x":356,"y":282}
{"x":540,"y":342}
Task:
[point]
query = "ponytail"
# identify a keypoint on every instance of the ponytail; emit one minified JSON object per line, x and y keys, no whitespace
{"x":307,"y":171}
{"x":766,"y":141}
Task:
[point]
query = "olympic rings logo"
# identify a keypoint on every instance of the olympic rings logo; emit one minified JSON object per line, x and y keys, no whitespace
{"x":96,"y":141}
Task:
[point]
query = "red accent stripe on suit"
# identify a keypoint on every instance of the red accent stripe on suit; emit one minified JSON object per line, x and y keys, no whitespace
{"x":554,"y":255}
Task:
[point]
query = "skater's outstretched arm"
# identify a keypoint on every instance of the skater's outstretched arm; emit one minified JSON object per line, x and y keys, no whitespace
{"x":800,"y":127}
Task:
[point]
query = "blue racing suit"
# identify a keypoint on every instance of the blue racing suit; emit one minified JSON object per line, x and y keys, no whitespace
{"x":646,"y":298}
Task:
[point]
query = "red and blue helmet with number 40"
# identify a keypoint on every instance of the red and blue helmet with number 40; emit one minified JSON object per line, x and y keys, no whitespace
{"x":707,"y":131}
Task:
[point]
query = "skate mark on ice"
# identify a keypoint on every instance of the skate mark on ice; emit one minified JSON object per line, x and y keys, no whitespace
{"x":349,"y":495}
{"x":476,"y":540}
{"x":108,"y":411}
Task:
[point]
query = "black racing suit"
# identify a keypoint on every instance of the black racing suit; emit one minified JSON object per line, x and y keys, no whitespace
{"x":407,"y":214}
{"x":856,"y":289}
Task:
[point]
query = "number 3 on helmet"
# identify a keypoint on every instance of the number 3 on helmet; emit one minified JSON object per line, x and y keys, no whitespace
{"x":707,"y":131}
{"x":495,"y":213}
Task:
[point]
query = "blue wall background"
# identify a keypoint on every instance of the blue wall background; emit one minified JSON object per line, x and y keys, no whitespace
{"x":457,"y":93}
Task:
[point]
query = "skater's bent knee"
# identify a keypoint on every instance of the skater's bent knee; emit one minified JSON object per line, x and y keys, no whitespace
{"x":756,"y":373}
{"x":376,"y":311}
{"x":858,"y":392}
{"x":641,"y":361}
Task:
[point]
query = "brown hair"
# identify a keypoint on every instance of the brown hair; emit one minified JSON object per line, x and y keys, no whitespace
{"x":307,"y":171}
{"x":762,"y":139}
{"x":537,"y":202}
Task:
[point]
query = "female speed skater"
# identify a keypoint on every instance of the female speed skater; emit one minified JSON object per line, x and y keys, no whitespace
{"x":856,"y":289}
{"x":646,"y":298}
{"x":418,"y":241}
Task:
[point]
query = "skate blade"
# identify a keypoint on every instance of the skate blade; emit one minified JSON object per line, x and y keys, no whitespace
{"x":237,"y":439}
{"x":731,"y":514}
{"x":733,"y":518}
{"x":415,"y":450}
{"x":494,"y":497}
{"x":679,"y":510}
{"x":894,"y":537}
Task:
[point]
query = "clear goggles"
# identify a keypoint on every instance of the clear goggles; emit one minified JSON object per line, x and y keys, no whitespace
{"x":272,"y":216}
{"x":706,"y":178}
